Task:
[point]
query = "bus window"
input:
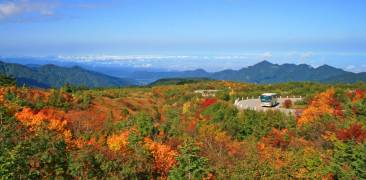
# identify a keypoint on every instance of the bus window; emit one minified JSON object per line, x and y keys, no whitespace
{"x":266,"y":98}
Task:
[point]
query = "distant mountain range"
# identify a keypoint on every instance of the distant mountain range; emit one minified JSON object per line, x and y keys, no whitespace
{"x":264,"y":72}
{"x":46,"y":76}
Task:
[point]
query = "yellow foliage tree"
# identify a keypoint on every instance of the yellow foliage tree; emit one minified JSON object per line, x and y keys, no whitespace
{"x":186,"y":107}
{"x":217,"y":140}
{"x":118,"y":142}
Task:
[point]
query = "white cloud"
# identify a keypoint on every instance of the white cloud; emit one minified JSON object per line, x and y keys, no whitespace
{"x":356,"y":68}
{"x":148,"y":65}
{"x":21,"y":10}
{"x":350,"y":67}
{"x":92,"y":58}
{"x":34,"y":10}
{"x":230,"y":57}
{"x":306,"y":55}
{"x":151,"y":57}
{"x":8,"y":9}
{"x":266,"y":56}
{"x":301,"y":57}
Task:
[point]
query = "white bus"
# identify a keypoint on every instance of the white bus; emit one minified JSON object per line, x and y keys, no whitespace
{"x":269,"y":99}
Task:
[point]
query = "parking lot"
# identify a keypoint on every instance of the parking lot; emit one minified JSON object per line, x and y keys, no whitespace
{"x":255,"y":104}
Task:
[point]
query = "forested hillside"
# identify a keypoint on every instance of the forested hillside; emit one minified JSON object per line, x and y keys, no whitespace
{"x":169,"y":132}
{"x":47,"y":76}
{"x":178,"y":81}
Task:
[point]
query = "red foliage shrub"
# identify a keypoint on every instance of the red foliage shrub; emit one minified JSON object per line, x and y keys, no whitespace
{"x":287,"y":104}
{"x":357,"y":95}
{"x":337,"y":108}
{"x":331,"y":126}
{"x":355,"y":132}
{"x":277,"y":138}
{"x":208,"y":102}
{"x":191,"y":128}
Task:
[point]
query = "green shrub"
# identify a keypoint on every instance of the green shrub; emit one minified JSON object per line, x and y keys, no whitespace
{"x":145,"y":125}
{"x":349,"y":160}
{"x":56,"y":99}
{"x":171,"y":125}
{"x":7,"y":80}
{"x":190,"y":164}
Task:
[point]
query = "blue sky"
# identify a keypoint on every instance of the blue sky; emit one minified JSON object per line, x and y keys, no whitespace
{"x":295,"y":31}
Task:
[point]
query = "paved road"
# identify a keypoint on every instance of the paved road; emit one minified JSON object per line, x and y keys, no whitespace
{"x":255,"y":104}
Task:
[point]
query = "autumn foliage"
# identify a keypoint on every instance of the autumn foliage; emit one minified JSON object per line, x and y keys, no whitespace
{"x":320,"y":105}
{"x":169,"y":132}
{"x":55,"y":120}
{"x":277,"y":138}
{"x":287,"y":104}
{"x":357,"y":95}
{"x":164,"y":156}
{"x":208,"y":102}
{"x":355,"y":132}
{"x":215,"y":140}
{"x":118,"y":142}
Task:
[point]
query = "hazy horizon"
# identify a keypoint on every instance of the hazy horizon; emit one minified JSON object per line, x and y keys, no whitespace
{"x":166,"y":63}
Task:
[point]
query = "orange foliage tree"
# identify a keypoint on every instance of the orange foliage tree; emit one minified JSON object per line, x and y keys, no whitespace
{"x":278,"y":138}
{"x":55,"y":121}
{"x":164,"y":156}
{"x":320,"y":105}
{"x":271,"y":148}
{"x":3,"y":91}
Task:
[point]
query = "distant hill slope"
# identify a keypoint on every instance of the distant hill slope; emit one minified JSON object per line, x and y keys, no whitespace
{"x":148,"y":77}
{"x":55,"y":76}
{"x":178,"y":81}
{"x":347,"y":78}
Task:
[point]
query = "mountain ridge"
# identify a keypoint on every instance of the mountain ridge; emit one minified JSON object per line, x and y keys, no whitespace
{"x":50,"y":75}
{"x":265,"y":72}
